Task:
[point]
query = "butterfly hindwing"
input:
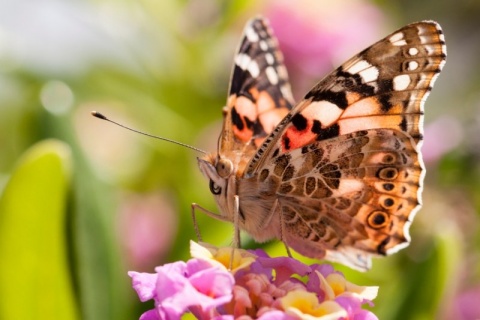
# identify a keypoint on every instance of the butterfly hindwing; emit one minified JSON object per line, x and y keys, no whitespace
{"x":353,"y":191}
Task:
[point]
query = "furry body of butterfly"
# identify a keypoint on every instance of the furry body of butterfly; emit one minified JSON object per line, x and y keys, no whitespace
{"x":339,"y":175}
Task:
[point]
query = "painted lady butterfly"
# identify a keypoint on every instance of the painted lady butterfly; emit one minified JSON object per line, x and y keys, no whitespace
{"x":338,"y":175}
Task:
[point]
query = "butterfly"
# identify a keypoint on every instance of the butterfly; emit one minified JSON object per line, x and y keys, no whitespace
{"x":338,"y":175}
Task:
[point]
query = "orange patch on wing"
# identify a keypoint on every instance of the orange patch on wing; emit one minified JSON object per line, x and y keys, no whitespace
{"x":245,"y":109}
{"x":272,"y":118}
{"x":372,"y":122}
{"x":352,"y":97}
{"x":365,"y":107}
{"x":245,"y":134}
{"x":294,"y":139}
{"x":396,"y":109}
{"x":265,"y":102}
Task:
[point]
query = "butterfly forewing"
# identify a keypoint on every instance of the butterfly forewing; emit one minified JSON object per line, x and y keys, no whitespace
{"x":340,"y":175}
{"x":384,"y":86}
{"x":259,"y":95}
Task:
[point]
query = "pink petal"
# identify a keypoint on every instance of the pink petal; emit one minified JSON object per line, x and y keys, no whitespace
{"x":144,"y":284}
{"x":150,"y":315}
{"x":213,"y":282}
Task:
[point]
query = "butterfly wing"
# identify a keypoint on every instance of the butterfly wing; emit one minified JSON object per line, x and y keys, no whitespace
{"x":259,"y":95}
{"x":345,"y":162}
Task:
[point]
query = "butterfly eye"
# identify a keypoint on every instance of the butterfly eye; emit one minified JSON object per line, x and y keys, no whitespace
{"x":214,"y":188}
{"x":224,"y":167}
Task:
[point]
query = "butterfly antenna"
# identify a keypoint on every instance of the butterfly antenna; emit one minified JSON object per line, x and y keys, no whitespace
{"x":101,"y":116}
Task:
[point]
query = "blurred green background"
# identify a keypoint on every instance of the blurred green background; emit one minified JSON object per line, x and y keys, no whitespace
{"x":82,"y":201}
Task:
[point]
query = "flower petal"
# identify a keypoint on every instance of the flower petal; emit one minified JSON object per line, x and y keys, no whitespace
{"x":276,"y":315}
{"x":150,"y":315}
{"x":222,"y":256}
{"x":325,"y":288}
{"x":144,"y":284}
{"x":284,"y":267}
{"x":305,"y":305}
{"x":215,"y":283}
{"x":368,"y":293}
{"x":337,"y":282}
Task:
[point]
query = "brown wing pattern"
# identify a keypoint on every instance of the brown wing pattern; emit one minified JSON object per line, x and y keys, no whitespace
{"x":384,"y":86}
{"x":348,"y":197}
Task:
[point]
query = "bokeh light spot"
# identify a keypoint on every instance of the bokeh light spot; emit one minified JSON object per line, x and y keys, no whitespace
{"x":56,"y":97}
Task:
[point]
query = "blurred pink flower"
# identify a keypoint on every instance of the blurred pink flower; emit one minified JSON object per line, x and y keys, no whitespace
{"x":466,"y":305}
{"x":148,"y":226}
{"x":441,"y":136}
{"x":316,"y":36}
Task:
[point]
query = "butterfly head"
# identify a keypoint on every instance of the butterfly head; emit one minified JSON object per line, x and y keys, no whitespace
{"x":218,"y":170}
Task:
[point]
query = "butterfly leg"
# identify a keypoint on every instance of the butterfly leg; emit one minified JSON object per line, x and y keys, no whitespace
{"x":209,"y":213}
{"x":236,"y":223}
{"x":282,"y":231}
{"x":236,"y":237}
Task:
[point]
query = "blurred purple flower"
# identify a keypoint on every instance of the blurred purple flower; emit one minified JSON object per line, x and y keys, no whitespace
{"x":316,"y":40}
{"x":466,"y":305}
{"x":441,"y":136}
{"x":257,"y":287}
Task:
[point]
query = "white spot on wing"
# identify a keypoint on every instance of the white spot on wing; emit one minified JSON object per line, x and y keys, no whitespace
{"x":370,"y":74}
{"x":247,"y":64}
{"x":324,"y":111}
{"x":348,"y":186}
{"x":365,"y":70}
{"x":242,"y":60}
{"x":424,"y":39}
{"x":396,"y":37}
{"x":251,"y":34}
{"x":254,"y":69}
{"x":269,"y":57}
{"x":413,"y":51}
{"x":359,"y":66}
{"x":271,"y":75}
{"x":401,"y":82}
{"x":263,"y":45}
{"x":412,"y":65}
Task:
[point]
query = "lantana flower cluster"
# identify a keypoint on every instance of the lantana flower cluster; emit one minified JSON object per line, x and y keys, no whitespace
{"x":227,"y":283}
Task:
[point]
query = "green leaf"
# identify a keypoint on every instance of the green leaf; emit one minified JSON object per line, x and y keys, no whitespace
{"x":35,"y":278}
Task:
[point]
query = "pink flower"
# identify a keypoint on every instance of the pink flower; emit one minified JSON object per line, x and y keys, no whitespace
{"x":179,"y":286}
{"x":257,"y":287}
